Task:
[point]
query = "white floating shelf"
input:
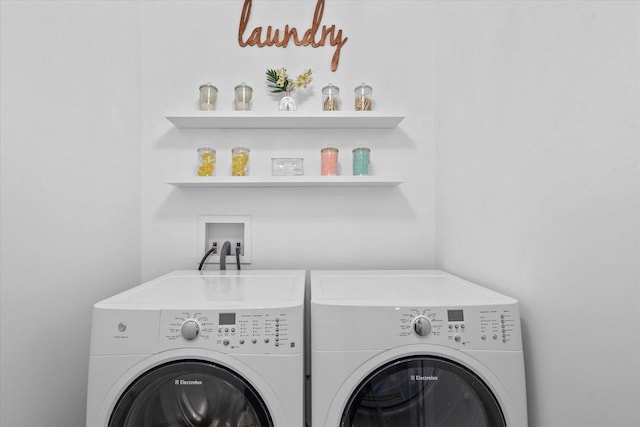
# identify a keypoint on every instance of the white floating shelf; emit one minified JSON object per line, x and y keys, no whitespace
{"x":286,"y":181}
{"x":285,"y":120}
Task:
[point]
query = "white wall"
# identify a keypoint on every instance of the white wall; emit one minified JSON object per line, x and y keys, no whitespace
{"x":534,"y":106}
{"x":538,"y":188}
{"x":70,"y":195}
{"x":185,"y":45}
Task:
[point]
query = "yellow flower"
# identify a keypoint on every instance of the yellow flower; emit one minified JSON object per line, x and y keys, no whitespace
{"x":282,"y":77}
{"x":303,"y":79}
{"x":281,"y":82}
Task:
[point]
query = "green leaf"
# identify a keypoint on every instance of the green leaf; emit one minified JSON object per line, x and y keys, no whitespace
{"x":272,"y":76}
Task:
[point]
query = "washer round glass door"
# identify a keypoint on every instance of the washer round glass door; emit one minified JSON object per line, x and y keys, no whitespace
{"x":422,"y":391}
{"x":190,"y":393}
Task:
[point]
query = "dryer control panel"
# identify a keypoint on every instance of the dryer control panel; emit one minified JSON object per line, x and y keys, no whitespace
{"x":478,"y":327}
{"x":274,"y":331}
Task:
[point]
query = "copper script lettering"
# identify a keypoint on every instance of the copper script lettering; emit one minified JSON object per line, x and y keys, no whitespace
{"x":273,"y":37}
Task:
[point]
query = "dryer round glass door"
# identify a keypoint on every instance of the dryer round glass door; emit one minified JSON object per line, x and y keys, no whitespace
{"x":422,"y":391}
{"x":190,"y":393}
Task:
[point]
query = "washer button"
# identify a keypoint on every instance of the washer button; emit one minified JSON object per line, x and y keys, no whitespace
{"x":225,"y":341}
{"x":457,"y":338}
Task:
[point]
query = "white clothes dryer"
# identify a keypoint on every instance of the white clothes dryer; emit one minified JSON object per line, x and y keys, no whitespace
{"x":413,"y":349}
{"x":195,"y":348}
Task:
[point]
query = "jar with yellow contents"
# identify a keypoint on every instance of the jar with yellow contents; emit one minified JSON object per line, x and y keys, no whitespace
{"x":206,"y":161}
{"x":240,"y":161}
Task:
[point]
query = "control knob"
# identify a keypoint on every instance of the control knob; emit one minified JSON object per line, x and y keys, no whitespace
{"x":421,"y":326}
{"x":190,"y":329}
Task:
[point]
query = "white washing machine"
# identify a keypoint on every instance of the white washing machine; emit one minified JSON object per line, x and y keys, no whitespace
{"x":413,"y":349}
{"x":196,"y":348}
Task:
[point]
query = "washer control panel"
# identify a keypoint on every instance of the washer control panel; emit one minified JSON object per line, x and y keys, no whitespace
{"x":499,"y":325}
{"x":479,"y":327}
{"x":421,"y":326}
{"x":239,"y":331}
{"x":422,"y":322}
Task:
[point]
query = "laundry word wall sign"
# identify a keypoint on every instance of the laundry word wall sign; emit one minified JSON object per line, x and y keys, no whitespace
{"x":314,"y":36}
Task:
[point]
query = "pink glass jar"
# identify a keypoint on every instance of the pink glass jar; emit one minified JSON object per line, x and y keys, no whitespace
{"x":329,"y":161}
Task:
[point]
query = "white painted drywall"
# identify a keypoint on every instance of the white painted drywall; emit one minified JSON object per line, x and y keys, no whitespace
{"x":533,"y":106}
{"x":538,"y":190}
{"x":70,"y":195}
{"x":184,"y":46}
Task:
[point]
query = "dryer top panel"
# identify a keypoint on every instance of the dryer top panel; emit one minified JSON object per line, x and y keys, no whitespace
{"x":399,"y":287}
{"x":240,"y":289}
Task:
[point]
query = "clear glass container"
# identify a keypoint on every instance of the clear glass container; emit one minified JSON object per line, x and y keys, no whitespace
{"x":206,"y":161}
{"x":208,"y":97}
{"x":361,"y":160}
{"x":243,"y":93}
{"x":287,"y":167}
{"x":330,"y":98}
{"x":288,"y":102}
{"x":240,"y":161}
{"x":329,"y":161}
{"x":364,"y":100}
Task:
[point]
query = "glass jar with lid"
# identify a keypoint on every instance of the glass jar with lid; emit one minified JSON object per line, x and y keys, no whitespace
{"x":243,"y":93}
{"x":239,"y":161}
{"x":330,"y":98}
{"x":208,"y":96}
{"x":361,"y":156}
{"x":364,"y":100}
{"x":329,"y":161}
{"x":206,"y":161}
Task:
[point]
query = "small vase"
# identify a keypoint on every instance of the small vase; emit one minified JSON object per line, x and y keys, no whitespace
{"x":288,"y":102}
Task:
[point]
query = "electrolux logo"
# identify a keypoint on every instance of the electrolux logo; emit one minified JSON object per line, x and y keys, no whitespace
{"x":423,"y":378}
{"x":188,"y":382}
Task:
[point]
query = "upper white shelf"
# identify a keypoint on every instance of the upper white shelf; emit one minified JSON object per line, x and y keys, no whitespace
{"x":285,"y":120}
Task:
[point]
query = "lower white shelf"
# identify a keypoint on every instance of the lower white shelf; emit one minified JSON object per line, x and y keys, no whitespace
{"x":286,"y":181}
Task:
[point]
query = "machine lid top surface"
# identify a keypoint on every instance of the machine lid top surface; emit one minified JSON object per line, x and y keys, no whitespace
{"x":396,"y":287}
{"x":223,"y":288}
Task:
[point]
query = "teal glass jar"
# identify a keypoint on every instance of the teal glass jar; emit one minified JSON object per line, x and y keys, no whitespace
{"x":361,"y":160}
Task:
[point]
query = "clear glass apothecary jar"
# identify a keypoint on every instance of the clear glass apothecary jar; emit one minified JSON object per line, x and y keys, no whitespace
{"x":329,"y":161}
{"x":208,"y":97}
{"x":361,"y":159}
{"x":330,"y":98}
{"x":364,"y":99}
{"x":240,"y":161}
{"x":243,"y":94}
{"x":206,"y":161}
